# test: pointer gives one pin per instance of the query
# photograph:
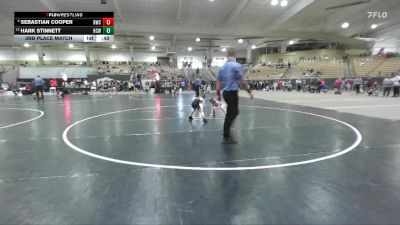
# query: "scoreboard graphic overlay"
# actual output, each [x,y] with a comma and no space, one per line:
[64,26]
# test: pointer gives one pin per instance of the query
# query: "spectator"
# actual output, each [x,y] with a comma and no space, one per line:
[298,85]
[348,84]
[320,85]
[357,83]
[368,83]
[289,86]
[396,85]
[387,85]
[304,85]
[339,84]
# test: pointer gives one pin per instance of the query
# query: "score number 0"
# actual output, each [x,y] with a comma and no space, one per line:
[108,22]
[108,26]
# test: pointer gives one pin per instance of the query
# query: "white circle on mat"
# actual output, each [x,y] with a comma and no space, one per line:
[176,167]
[22,122]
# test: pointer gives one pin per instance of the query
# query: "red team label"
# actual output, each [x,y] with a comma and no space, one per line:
[108,22]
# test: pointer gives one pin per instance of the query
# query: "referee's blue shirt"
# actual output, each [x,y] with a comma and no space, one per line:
[230,75]
[197,82]
[39,81]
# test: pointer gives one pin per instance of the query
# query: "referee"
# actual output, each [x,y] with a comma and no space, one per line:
[229,80]
[197,84]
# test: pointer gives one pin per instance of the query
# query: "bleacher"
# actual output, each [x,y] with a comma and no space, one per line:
[123,68]
[365,65]
[260,72]
[329,68]
[377,66]
[214,70]
[387,67]
[172,72]
[8,67]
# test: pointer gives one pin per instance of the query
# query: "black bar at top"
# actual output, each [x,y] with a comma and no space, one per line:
[84,14]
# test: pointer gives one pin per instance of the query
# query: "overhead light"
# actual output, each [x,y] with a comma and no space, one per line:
[70,45]
[190,49]
[274,2]
[240,40]
[291,42]
[224,49]
[374,26]
[113,46]
[211,0]
[345,25]
[197,39]
[153,47]
[284,3]
[253,47]
[366,39]
[26,45]
[151,38]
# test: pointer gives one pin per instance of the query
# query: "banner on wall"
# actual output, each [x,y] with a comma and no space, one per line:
[218,61]
[190,62]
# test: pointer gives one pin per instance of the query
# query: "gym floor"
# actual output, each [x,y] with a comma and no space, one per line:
[126,159]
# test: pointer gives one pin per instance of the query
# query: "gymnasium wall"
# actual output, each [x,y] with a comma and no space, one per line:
[58,56]
[10,55]
[14,56]
[53,72]
[356,52]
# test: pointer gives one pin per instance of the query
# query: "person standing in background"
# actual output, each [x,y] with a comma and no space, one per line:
[39,87]
[387,86]
[298,85]
[338,84]
[396,85]
[357,83]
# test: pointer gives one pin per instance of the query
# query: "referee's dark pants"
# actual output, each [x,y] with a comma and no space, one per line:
[39,89]
[197,90]
[232,100]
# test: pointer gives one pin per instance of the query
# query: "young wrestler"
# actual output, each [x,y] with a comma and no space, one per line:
[215,104]
[198,106]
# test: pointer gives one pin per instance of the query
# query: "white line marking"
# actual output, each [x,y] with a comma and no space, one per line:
[179,132]
[161,99]
[26,121]
[327,100]
[362,106]
[159,166]
[60,101]
[173,118]
[269,157]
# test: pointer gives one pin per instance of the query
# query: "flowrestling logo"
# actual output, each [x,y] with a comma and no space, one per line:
[377,14]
